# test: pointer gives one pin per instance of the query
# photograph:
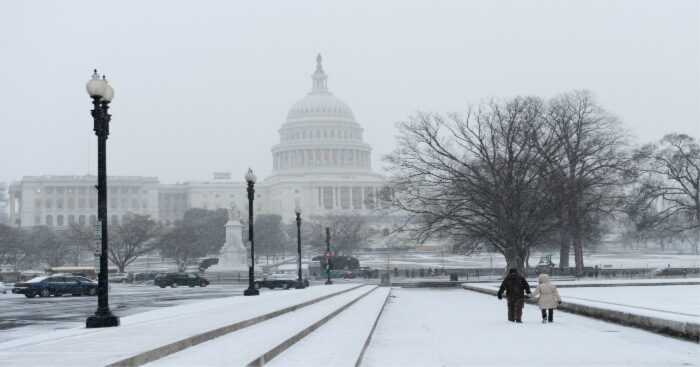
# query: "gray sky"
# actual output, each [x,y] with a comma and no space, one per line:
[203,86]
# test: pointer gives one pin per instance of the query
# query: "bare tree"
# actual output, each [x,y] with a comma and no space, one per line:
[135,236]
[669,173]
[586,152]
[349,232]
[208,226]
[17,249]
[50,249]
[78,240]
[181,245]
[270,236]
[477,179]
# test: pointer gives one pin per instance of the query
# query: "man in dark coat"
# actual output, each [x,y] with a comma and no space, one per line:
[516,288]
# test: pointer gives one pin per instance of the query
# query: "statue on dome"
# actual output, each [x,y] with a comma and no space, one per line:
[319,68]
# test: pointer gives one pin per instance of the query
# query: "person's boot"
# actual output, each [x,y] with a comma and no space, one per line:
[518,321]
[544,321]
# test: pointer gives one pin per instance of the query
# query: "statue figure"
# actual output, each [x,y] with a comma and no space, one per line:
[234,214]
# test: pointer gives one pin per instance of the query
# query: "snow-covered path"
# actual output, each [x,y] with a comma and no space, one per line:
[421,327]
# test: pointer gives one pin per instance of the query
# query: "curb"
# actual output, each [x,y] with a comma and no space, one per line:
[272,353]
[446,284]
[685,330]
[160,352]
[624,284]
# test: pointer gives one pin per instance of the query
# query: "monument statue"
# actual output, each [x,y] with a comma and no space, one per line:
[234,214]
[233,255]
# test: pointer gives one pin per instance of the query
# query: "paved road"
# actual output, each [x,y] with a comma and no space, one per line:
[21,316]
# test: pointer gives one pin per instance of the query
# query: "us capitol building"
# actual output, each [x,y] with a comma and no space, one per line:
[321,165]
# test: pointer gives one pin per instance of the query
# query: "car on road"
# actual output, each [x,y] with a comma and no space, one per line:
[56,285]
[284,281]
[117,277]
[3,289]
[670,271]
[343,274]
[177,279]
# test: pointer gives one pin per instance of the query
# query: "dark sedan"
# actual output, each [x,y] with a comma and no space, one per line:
[284,281]
[56,285]
[176,279]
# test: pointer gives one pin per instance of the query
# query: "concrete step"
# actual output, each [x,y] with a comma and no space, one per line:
[162,332]
[340,342]
[255,345]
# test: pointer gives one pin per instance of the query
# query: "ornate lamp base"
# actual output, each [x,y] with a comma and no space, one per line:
[102,321]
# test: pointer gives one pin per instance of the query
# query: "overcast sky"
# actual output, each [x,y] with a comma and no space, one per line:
[203,86]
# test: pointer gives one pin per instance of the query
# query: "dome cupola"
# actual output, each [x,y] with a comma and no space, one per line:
[321,132]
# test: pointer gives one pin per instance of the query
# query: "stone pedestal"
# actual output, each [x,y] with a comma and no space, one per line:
[233,256]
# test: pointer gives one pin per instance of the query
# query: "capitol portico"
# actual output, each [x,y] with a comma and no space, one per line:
[320,164]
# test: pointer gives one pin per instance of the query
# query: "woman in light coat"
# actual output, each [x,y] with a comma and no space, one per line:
[549,298]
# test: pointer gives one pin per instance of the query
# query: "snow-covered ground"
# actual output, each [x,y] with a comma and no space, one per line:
[418,327]
[439,259]
[681,299]
[670,302]
[434,260]
[421,327]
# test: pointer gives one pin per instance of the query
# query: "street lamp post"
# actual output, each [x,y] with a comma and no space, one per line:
[251,291]
[101,94]
[328,249]
[297,211]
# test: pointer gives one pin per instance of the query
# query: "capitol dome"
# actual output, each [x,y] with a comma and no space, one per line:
[321,134]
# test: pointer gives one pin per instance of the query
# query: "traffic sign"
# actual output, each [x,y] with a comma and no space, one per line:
[98,247]
[97,264]
[334,245]
[98,229]
[328,254]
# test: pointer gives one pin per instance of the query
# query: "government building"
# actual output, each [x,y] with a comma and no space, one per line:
[320,164]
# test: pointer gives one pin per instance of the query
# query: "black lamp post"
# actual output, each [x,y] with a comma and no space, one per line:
[297,211]
[251,291]
[101,94]
[328,250]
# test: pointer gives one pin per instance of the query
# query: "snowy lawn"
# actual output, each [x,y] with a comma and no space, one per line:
[422,327]
[671,302]
[683,299]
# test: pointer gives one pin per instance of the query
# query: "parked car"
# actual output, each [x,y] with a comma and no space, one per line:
[176,279]
[670,271]
[117,277]
[56,285]
[284,281]
[343,274]
[3,289]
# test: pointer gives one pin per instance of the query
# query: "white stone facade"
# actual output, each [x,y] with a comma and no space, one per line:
[320,164]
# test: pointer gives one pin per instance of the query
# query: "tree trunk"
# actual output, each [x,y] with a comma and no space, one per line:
[565,247]
[527,259]
[578,254]
[514,260]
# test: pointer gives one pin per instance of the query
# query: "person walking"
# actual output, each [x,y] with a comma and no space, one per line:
[515,287]
[549,297]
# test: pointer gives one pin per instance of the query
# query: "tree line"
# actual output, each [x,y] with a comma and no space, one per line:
[201,233]
[515,174]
